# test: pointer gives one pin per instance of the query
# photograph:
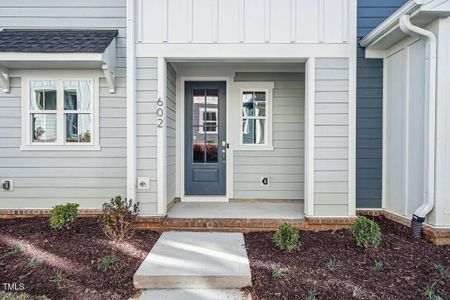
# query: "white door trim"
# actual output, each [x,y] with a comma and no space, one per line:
[181,142]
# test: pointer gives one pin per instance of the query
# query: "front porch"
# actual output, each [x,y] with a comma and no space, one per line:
[269,210]
[239,216]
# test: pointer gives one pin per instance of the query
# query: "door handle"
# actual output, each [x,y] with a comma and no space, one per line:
[224,151]
[224,155]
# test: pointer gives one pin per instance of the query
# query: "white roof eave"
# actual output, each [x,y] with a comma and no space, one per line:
[78,60]
[388,33]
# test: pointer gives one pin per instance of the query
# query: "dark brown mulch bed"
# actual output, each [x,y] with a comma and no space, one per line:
[410,266]
[75,252]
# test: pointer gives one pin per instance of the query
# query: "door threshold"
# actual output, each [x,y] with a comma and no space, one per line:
[205,198]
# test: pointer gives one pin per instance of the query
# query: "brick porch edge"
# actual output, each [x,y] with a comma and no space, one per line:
[439,236]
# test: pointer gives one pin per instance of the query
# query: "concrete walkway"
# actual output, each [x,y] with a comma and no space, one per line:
[195,265]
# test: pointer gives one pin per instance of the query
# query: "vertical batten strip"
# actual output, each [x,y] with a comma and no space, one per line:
[140,18]
[215,21]
[320,20]
[345,20]
[242,21]
[406,92]
[293,20]
[165,21]
[190,21]
[267,20]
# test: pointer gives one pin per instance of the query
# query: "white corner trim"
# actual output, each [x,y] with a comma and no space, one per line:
[161,112]
[352,119]
[131,103]
[4,79]
[309,135]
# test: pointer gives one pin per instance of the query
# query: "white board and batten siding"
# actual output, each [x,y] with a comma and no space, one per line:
[284,165]
[42,178]
[243,21]
[331,194]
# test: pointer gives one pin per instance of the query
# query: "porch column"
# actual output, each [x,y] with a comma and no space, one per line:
[161,123]
[309,136]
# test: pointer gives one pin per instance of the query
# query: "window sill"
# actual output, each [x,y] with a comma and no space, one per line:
[60,148]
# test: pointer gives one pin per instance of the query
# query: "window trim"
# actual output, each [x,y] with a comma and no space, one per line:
[266,87]
[60,144]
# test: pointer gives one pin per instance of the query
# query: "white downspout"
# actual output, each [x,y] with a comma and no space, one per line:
[131,106]
[430,134]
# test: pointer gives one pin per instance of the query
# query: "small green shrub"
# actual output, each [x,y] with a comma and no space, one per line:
[106,262]
[33,262]
[119,217]
[277,272]
[366,232]
[312,294]
[11,251]
[62,216]
[57,278]
[431,292]
[332,264]
[378,265]
[286,237]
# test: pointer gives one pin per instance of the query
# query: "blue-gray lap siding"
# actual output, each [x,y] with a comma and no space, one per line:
[369,111]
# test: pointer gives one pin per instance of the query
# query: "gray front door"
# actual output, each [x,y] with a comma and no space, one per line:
[205,133]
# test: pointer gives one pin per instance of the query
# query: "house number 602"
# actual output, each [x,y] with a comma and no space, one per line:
[160,113]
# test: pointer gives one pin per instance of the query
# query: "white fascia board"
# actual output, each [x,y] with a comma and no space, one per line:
[39,56]
[390,24]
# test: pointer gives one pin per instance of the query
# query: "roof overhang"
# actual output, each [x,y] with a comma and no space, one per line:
[388,33]
[105,61]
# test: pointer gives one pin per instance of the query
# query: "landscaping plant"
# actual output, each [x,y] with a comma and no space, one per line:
[332,264]
[62,216]
[33,262]
[431,292]
[441,269]
[57,278]
[312,294]
[286,237]
[378,265]
[14,250]
[366,232]
[106,262]
[277,272]
[119,216]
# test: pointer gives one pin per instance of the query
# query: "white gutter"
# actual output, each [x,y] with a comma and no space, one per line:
[429,145]
[387,26]
[131,105]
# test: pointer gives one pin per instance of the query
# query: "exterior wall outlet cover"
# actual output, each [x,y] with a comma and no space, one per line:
[143,183]
[7,185]
[265,181]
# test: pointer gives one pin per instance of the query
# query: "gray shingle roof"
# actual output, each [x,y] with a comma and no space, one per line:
[56,41]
